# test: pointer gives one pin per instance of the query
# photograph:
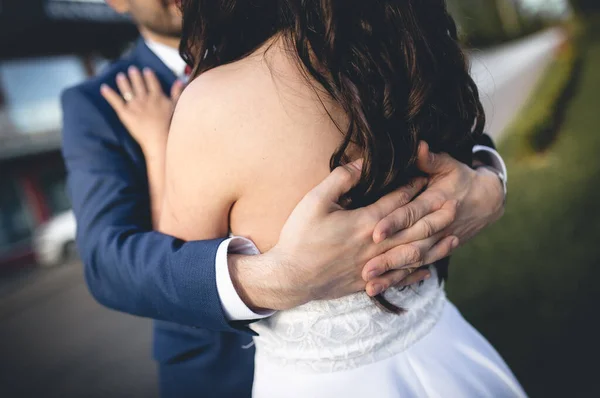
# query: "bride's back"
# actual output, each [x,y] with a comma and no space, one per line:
[286,90]
[284,135]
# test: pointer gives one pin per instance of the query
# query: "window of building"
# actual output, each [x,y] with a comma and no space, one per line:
[31,90]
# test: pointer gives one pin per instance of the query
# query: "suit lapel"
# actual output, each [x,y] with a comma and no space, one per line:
[143,57]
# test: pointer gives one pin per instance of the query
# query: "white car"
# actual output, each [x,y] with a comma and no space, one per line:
[54,241]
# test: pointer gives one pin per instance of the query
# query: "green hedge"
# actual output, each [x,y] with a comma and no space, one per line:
[586,6]
[536,129]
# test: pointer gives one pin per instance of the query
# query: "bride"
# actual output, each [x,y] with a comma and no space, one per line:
[282,92]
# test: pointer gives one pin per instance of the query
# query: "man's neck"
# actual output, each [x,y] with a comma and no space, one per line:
[166,40]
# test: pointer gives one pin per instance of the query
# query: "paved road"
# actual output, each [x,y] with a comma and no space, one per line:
[55,341]
[507,75]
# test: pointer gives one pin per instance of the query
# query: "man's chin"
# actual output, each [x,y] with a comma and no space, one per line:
[175,8]
[175,35]
[175,32]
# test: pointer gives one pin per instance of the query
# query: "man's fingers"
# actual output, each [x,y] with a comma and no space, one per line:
[403,276]
[137,82]
[441,250]
[396,278]
[114,99]
[432,163]
[394,259]
[410,255]
[177,90]
[152,82]
[395,200]
[428,226]
[340,181]
[418,276]
[406,216]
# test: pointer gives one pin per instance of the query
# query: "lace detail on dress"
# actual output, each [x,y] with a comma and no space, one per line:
[334,335]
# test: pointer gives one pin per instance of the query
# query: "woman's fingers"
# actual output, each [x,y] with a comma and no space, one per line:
[177,90]
[137,82]
[115,100]
[125,87]
[152,82]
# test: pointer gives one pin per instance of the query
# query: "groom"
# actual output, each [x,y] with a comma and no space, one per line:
[201,295]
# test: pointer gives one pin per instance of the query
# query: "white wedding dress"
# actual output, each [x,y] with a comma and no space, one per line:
[349,348]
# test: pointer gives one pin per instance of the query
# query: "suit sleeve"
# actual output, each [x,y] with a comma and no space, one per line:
[129,267]
[486,140]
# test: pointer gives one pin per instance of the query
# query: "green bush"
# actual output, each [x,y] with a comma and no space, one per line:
[488,23]
[586,6]
[536,132]
[530,282]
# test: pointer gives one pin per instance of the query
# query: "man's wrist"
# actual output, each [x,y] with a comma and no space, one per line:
[247,276]
[234,307]
[491,190]
[500,178]
[260,282]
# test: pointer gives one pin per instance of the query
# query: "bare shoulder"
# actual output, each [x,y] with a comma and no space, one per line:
[238,112]
[203,155]
[224,98]
[215,131]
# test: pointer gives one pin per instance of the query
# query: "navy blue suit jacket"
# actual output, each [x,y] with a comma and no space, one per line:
[129,267]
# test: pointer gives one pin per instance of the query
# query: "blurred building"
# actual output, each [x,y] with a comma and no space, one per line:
[45,47]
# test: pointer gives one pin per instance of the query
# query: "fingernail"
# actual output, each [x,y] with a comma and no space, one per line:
[377,289]
[357,164]
[120,75]
[427,276]
[372,275]
[103,87]
[455,243]
[132,69]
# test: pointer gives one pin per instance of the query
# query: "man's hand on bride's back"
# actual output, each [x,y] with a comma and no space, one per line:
[326,246]
[422,231]
[322,248]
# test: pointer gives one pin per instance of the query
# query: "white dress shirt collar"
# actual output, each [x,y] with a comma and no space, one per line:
[169,56]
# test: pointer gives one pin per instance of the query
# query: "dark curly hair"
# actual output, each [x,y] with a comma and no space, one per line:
[395,67]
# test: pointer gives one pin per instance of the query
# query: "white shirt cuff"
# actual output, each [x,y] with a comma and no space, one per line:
[496,161]
[233,306]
